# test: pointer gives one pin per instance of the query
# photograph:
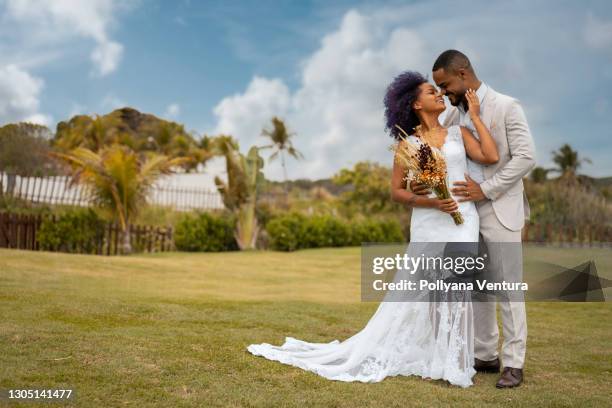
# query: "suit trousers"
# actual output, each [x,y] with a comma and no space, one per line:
[507,264]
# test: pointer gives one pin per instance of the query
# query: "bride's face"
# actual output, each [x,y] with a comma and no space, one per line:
[430,100]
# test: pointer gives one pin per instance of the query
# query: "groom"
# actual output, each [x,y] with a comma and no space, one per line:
[497,190]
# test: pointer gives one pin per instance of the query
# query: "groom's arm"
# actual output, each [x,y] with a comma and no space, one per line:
[522,154]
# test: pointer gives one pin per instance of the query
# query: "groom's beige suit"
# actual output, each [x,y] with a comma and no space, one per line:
[502,216]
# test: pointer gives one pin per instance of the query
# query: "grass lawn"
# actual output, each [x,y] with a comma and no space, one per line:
[171,330]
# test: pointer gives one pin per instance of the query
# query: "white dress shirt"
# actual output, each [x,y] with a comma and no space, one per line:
[474,169]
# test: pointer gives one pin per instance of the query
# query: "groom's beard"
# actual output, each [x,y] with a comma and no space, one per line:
[459,101]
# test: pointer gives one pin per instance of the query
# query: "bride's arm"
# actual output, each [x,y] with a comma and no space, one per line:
[400,194]
[485,150]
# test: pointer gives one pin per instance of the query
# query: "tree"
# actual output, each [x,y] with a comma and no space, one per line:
[139,131]
[539,174]
[24,149]
[86,132]
[281,143]
[567,161]
[370,187]
[171,139]
[118,180]
[244,178]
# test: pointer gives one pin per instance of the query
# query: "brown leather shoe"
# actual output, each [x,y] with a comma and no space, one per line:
[483,366]
[511,377]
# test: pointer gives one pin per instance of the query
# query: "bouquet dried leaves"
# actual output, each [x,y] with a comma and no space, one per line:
[427,165]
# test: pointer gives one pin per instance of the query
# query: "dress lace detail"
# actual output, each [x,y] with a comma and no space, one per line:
[428,339]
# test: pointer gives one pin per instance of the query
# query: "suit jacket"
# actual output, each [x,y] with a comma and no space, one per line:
[503,185]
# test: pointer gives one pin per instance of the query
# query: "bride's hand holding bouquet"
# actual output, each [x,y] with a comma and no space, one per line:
[428,167]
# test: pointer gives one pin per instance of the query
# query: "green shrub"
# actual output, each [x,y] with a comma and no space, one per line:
[373,230]
[158,216]
[74,231]
[392,231]
[264,212]
[293,231]
[567,202]
[325,231]
[286,232]
[204,232]
[366,231]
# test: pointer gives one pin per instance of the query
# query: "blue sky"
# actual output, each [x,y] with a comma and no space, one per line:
[228,66]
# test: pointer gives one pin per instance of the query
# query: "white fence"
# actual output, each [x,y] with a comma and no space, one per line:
[56,190]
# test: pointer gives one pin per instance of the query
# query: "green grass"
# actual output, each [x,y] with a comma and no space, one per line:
[171,330]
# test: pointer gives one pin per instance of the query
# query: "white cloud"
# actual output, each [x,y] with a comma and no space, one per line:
[602,106]
[180,21]
[172,111]
[20,96]
[598,32]
[106,57]
[40,119]
[77,109]
[244,115]
[47,24]
[112,102]
[337,112]
[34,33]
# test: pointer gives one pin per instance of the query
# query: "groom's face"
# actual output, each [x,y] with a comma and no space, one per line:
[451,85]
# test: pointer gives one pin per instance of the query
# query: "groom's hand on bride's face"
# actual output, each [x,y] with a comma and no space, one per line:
[468,190]
[419,189]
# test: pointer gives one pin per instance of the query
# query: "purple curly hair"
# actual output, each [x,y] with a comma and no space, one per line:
[400,95]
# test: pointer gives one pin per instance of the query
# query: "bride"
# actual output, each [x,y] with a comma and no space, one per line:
[432,339]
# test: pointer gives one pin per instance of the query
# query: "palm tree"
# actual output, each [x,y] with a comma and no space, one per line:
[140,132]
[172,140]
[90,133]
[239,194]
[539,174]
[235,191]
[118,180]
[567,161]
[281,143]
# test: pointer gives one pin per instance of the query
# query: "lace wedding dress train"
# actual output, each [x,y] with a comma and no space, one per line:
[431,339]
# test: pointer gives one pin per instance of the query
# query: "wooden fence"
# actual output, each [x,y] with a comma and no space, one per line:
[20,231]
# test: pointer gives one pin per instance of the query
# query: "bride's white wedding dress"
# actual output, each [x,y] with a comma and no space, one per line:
[425,338]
